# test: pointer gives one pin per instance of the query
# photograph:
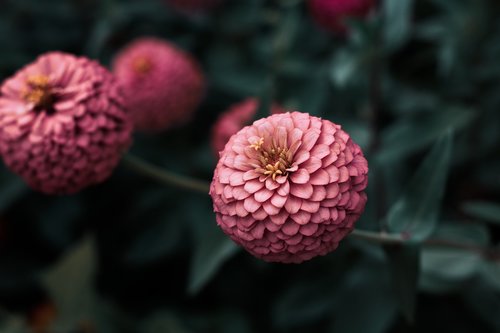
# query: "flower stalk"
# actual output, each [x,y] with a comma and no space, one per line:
[172,179]
[163,176]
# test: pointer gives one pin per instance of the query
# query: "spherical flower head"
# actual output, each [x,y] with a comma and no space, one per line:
[62,123]
[193,6]
[332,14]
[234,119]
[289,187]
[163,85]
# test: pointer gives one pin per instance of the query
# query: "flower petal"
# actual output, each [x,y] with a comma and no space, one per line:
[320,177]
[303,191]
[301,217]
[253,186]
[293,204]
[251,204]
[300,176]
[290,228]
[263,195]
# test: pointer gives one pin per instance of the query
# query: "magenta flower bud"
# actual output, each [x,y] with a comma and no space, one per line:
[331,14]
[163,85]
[289,187]
[234,119]
[62,123]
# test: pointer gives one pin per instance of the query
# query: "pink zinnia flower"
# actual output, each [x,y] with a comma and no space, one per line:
[234,119]
[331,14]
[163,85]
[289,187]
[62,123]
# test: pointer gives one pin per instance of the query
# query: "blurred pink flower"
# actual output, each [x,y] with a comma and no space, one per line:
[234,119]
[62,123]
[331,14]
[289,187]
[163,85]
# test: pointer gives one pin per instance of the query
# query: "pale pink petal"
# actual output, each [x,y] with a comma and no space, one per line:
[332,190]
[278,200]
[253,186]
[284,189]
[263,195]
[304,191]
[301,217]
[310,206]
[312,164]
[308,229]
[236,179]
[251,204]
[290,228]
[293,204]
[300,176]
[270,208]
[320,177]
[333,172]
[279,218]
[309,139]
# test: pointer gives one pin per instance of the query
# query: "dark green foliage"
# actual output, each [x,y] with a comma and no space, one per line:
[417,86]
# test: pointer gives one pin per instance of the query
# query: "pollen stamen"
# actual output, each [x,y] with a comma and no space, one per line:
[38,91]
[274,160]
[258,144]
[142,65]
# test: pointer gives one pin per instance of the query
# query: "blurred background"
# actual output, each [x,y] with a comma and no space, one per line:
[416,84]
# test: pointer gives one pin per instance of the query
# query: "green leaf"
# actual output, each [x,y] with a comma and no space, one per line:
[484,304]
[11,189]
[212,248]
[163,321]
[57,221]
[415,213]
[483,210]
[414,133]
[345,67]
[100,33]
[212,251]
[158,230]
[404,263]
[397,27]
[490,271]
[406,100]
[265,100]
[155,242]
[10,323]
[230,72]
[363,301]
[69,283]
[446,268]
[304,302]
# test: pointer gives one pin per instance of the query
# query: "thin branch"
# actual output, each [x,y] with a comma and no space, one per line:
[172,179]
[396,239]
[377,237]
[166,177]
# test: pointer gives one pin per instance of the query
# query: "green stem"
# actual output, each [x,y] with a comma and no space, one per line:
[172,179]
[377,237]
[395,239]
[139,165]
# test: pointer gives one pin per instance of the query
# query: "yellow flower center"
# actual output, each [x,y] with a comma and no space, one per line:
[38,91]
[142,65]
[274,160]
